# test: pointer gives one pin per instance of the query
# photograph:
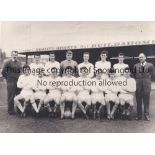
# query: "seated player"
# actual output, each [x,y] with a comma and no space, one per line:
[126,95]
[83,97]
[111,95]
[24,82]
[68,98]
[97,94]
[39,89]
[52,99]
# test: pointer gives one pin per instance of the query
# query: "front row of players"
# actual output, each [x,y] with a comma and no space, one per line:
[111,96]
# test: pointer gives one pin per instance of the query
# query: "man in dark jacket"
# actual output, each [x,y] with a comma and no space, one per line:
[11,71]
[142,73]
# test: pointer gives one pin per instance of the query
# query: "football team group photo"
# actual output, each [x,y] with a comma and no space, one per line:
[78,84]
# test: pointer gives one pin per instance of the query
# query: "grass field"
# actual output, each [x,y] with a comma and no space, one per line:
[16,124]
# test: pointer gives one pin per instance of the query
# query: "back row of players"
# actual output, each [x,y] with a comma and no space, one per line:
[83,96]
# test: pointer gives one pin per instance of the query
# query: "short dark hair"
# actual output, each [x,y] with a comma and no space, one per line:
[104,52]
[86,53]
[68,67]
[128,70]
[83,68]
[121,54]
[54,69]
[112,70]
[69,52]
[52,53]
[36,55]
[99,70]
[25,68]
[14,52]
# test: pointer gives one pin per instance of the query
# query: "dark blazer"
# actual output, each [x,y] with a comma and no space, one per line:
[143,76]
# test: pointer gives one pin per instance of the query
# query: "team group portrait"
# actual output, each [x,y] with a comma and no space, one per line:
[77,77]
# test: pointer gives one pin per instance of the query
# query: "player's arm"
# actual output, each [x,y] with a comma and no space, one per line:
[20,83]
[79,72]
[61,69]
[152,70]
[4,70]
[131,86]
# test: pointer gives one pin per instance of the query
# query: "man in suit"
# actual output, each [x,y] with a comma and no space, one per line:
[143,71]
[11,71]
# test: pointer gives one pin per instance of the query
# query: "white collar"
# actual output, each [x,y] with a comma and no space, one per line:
[144,63]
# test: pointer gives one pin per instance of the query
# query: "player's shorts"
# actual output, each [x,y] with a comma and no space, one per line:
[54,95]
[84,97]
[24,94]
[39,95]
[97,97]
[68,96]
[112,97]
[127,98]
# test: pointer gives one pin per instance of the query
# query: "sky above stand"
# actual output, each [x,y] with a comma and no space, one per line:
[27,35]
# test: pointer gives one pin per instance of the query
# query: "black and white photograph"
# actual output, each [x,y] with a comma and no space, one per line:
[77,77]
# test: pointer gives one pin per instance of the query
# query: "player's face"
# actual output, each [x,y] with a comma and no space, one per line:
[121,59]
[112,75]
[142,58]
[84,73]
[27,72]
[37,59]
[98,75]
[86,57]
[14,55]
[69,72]
[127,74]
[54,72]
[69,56]
[52,57]
[103,57]
[40,75]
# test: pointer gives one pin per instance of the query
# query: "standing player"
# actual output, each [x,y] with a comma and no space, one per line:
[68,98]
[36,65]
[52,63]
[52,99]
[112,95]
[103,64]
[84,98]
[39,91]
[89,66]
[69,62]
[97,94]
[120,66]
[126,95]
[25,83]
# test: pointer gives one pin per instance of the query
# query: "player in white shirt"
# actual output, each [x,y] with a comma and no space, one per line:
[120,66]
[97,94]
[89,66]
[52,99]
[112,95]
[84,98]
[103,63]
[25,83]
[36,65]
[68,99]
[126,95]
[52,63]
[39,92]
